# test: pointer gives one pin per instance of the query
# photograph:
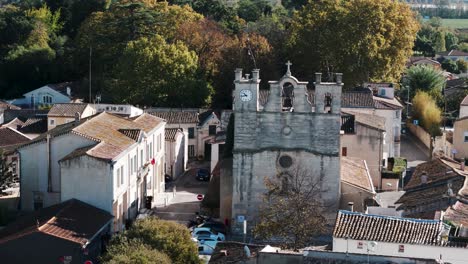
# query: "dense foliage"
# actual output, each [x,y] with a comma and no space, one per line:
[182,53]
[424,78]
[426,111]
[152,240]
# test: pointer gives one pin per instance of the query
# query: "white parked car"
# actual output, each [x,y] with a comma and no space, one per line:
[206,232]
[206,245]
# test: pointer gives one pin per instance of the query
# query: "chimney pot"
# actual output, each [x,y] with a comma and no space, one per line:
[339,78]
[424,178]
[351,206]
[77,118]
[318,77]
[238,74]
[255,74]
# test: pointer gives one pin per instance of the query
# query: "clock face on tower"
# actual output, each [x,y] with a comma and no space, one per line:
[245,95]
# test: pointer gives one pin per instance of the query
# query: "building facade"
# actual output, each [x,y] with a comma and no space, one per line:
[290,132]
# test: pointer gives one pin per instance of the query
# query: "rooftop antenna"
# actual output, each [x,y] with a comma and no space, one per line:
[250,53]
[90,54]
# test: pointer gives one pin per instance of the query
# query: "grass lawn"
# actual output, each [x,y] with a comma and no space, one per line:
[455,23]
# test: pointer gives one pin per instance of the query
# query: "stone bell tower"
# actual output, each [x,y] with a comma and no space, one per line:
[279,130]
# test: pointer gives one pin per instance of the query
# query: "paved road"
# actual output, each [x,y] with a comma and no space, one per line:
[413,150]
[184,205]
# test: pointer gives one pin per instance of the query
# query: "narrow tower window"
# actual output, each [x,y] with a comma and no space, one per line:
[287,96]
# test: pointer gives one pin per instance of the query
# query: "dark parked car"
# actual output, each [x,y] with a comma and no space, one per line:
[215,226]
[203,175]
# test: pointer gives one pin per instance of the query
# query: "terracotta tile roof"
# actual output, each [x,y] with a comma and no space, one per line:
[34,125]
[131,133]
[105,129]
[369,120]
[67,110]
[354,172]
[357,98]
[458,214]
[6,105]
[385,103]
[430,194]
[439,169]
[147,122]
[176,117]
[359,226]
[72,220]
[9,137]
[23,114]
[453,53]
[170,133]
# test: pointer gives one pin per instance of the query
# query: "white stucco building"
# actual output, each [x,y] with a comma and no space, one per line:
[394,236]
[110,162]
[176,152]
[46,96]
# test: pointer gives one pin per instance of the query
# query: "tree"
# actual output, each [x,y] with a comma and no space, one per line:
[7,178]
[252,10]
[439,41]
[167,237]
[327,36]
[124,251]
[158,73]
[291,210]
[462,66]
[424,78]
[425,109]
[451,41]
[450,66]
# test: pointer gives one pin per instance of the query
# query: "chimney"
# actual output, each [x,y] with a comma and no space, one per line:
[255,74]
[351,206]
[339,78]
[77,118]
[238,74]
[424,178]
[318,78]
[462,165]
[68,91]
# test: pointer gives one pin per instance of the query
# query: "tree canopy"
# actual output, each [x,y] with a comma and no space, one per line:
[327,36]
[424,78]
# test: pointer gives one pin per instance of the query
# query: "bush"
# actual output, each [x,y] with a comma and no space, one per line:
[168,237]
[124,251]
[425,109]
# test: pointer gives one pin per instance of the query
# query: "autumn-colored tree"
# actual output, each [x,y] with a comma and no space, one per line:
[291,211]
[425,109]
[328,36]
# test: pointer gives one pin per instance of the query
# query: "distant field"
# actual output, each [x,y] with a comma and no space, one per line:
[454,23]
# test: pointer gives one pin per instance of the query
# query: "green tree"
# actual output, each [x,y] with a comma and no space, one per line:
[450,66]
[462,66]
[328,36]
[439,41]
[426,79]
[252,10]
[124,251]
[165,236]
[451,41]
[158,73]
[425,109]
[435,22]
[291,210]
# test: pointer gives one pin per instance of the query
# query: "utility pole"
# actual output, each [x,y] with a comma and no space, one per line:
[90,54]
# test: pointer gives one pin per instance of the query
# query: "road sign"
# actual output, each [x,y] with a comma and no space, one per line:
[200,197]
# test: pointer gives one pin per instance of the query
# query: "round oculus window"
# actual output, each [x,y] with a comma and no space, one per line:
[285,161]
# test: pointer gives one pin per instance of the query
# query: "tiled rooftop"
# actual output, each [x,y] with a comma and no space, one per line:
[359,226]
[66,110]
[9,137]
[69,220]
[170,134]
[354,172]
[385,103]
[369,120]
[176,117]
[6,105]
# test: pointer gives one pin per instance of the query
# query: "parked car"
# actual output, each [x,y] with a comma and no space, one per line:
[206,232]
[206,245]
[203,175]
[213,225]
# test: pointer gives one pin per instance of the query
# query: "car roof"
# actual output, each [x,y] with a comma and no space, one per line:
[201,229]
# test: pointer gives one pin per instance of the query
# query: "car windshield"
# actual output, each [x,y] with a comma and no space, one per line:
[203,233]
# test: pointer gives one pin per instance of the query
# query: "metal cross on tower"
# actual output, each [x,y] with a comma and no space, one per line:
[288,72]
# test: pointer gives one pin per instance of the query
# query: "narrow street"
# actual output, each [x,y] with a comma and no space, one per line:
[183,206]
